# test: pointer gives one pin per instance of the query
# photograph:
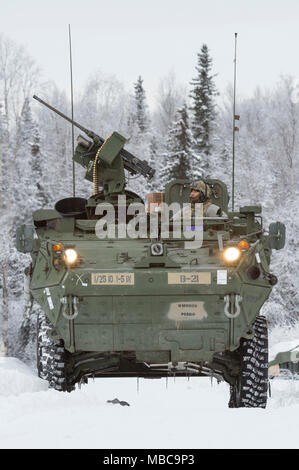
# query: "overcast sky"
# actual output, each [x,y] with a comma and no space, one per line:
[129,38]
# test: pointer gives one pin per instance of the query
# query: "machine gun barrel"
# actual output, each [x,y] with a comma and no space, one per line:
[131,163]
[90,134]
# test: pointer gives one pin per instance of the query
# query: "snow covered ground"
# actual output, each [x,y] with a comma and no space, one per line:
[186,414]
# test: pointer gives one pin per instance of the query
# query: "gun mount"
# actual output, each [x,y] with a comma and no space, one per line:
[105,160]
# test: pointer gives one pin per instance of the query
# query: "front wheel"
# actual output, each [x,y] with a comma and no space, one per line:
[51,357]
[250,389]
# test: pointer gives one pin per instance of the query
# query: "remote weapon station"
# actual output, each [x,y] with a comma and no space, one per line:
[152,306]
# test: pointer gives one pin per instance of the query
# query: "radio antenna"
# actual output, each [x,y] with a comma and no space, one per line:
[72,111]
[236,117]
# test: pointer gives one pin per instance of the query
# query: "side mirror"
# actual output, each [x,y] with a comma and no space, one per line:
[24,238]
[277,235]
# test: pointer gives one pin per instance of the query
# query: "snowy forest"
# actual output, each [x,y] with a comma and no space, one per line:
[187,134]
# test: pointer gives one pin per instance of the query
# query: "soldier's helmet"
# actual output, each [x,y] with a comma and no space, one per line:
[203,187]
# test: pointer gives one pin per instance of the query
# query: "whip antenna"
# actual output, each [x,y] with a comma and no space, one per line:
[72,111]
[236,117]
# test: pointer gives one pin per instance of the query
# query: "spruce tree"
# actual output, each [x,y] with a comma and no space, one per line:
[141,115]
[29,196]
[5,167]
[25,190]
[37,168]
[203,110]
[153,161]
[179,153]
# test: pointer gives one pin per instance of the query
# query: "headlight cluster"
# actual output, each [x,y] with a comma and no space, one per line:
[64,255]
[70,256]
[233,253]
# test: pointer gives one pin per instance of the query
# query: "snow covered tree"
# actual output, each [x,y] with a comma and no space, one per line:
[56,145]
[37,168]
[170,97]
[202,95]
[141,113]
[24,188]
[153,161]
[220,166]
[286,129]
[5,167]
[103,104]
[178,158]
[5,158]
[18,74]
[267,173]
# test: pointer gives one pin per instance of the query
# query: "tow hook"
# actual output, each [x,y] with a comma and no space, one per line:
[271,278]
[70,309]
[232,307]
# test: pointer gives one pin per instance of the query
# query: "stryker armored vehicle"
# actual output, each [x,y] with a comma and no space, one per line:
[155,304]
[285,364]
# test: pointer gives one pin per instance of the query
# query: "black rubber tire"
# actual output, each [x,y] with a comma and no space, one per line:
[251,387]
[59,369]
[44,350]
[51,357]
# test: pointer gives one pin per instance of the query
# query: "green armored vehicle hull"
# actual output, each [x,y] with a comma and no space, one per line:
[285,364]
[157,304]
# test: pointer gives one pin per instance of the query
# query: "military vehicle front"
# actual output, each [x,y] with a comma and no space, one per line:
[151,306]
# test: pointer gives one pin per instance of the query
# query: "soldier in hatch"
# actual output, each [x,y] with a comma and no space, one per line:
[201,193]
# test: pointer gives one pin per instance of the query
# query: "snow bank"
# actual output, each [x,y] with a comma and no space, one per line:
[177,413]
[16,378]
[174,414]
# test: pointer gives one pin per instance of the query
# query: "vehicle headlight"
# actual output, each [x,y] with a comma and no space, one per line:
[231,254]
[70,255]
